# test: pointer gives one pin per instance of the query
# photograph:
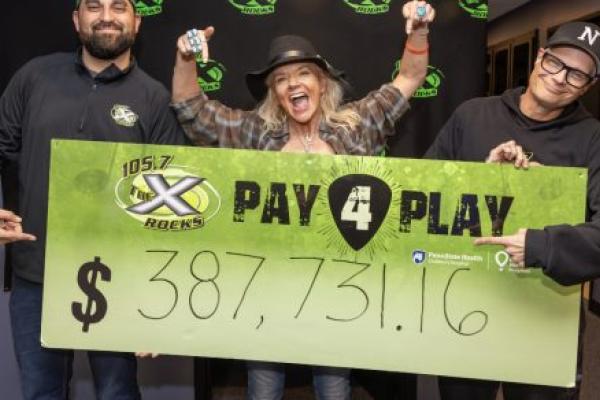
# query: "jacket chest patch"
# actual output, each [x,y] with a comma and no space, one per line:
[123,115]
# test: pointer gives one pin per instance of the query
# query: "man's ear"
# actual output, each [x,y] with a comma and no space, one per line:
[324,82]
[76,20]
[138,22]
[540,53]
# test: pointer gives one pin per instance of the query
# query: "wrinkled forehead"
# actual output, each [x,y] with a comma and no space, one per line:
[575,58]
[79,2]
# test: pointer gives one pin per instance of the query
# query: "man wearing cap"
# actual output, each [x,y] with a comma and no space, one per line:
[97,93]
[545,124]
[300,110]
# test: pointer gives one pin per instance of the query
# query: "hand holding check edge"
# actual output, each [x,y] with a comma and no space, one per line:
[514,245]
[11,229]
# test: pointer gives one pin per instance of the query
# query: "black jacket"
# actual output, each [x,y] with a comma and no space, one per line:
[56,97]
[567,254]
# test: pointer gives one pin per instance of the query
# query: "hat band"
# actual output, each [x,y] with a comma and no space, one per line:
[291,54]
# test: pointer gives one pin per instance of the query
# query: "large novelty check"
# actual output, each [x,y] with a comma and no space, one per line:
[331,260]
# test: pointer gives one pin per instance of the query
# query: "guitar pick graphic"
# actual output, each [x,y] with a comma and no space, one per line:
[359,204]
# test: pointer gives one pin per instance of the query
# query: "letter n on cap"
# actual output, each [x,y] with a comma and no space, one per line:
[589,35]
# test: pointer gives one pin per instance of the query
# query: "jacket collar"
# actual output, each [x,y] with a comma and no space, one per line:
[110,73]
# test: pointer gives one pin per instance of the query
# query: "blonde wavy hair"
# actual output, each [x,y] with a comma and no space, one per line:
[345,118]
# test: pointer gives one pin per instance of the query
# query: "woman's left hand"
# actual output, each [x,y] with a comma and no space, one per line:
[418,15]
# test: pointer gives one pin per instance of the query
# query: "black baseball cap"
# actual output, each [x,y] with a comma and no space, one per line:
[582,35]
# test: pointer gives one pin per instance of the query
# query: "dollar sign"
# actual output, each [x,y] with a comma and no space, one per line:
[86,278]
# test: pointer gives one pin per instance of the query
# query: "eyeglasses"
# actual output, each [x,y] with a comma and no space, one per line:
[576,78]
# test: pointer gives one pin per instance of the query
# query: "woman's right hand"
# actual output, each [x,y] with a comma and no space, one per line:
[195,41]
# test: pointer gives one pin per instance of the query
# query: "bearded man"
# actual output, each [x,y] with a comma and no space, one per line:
[96,93]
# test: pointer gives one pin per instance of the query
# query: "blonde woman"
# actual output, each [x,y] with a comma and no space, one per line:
[300,110]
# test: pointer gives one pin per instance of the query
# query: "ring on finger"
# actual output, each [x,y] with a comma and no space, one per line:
[421,11]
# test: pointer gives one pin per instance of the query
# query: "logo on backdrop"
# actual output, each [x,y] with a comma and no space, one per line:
[475,8]
[432,84]
[123,115]
[147,8]
[166,197]
[210,75]
[254,7]
[369,6]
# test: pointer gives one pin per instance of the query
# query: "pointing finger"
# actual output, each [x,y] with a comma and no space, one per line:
[492,240]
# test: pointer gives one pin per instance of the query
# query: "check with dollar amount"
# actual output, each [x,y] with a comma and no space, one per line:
[359,262]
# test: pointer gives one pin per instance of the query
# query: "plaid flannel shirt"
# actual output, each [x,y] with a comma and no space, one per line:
[210,123]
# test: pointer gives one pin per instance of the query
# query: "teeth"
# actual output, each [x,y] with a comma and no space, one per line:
[297,96]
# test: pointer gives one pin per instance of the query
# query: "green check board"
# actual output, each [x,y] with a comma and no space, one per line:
[358,262]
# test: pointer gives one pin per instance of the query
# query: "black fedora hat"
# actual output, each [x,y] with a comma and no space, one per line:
[283,50]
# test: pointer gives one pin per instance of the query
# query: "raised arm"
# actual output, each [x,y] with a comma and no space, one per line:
[185,75]
[206,122]
[413,67]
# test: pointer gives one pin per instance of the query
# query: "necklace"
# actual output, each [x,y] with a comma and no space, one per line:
[307,141]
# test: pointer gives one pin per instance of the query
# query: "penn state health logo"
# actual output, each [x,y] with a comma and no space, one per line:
[476,8]
[369,6]
[254,7]
[166,197]
[148,8]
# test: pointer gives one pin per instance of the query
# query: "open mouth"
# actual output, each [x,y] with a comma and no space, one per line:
[299,101]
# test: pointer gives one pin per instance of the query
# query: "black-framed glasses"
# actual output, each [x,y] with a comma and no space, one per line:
[576,78]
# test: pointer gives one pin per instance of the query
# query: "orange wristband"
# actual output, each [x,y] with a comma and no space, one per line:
[413,50]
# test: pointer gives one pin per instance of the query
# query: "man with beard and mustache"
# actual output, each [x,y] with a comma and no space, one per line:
[97,93]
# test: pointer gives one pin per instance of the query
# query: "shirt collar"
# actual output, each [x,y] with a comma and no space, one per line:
[285,132]
[110,73]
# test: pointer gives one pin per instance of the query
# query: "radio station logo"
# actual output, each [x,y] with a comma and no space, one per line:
[210,75]
[123,115]
[147,8]
[476,8]
[254,7]
[166,197]
[369,6]
[431,86]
